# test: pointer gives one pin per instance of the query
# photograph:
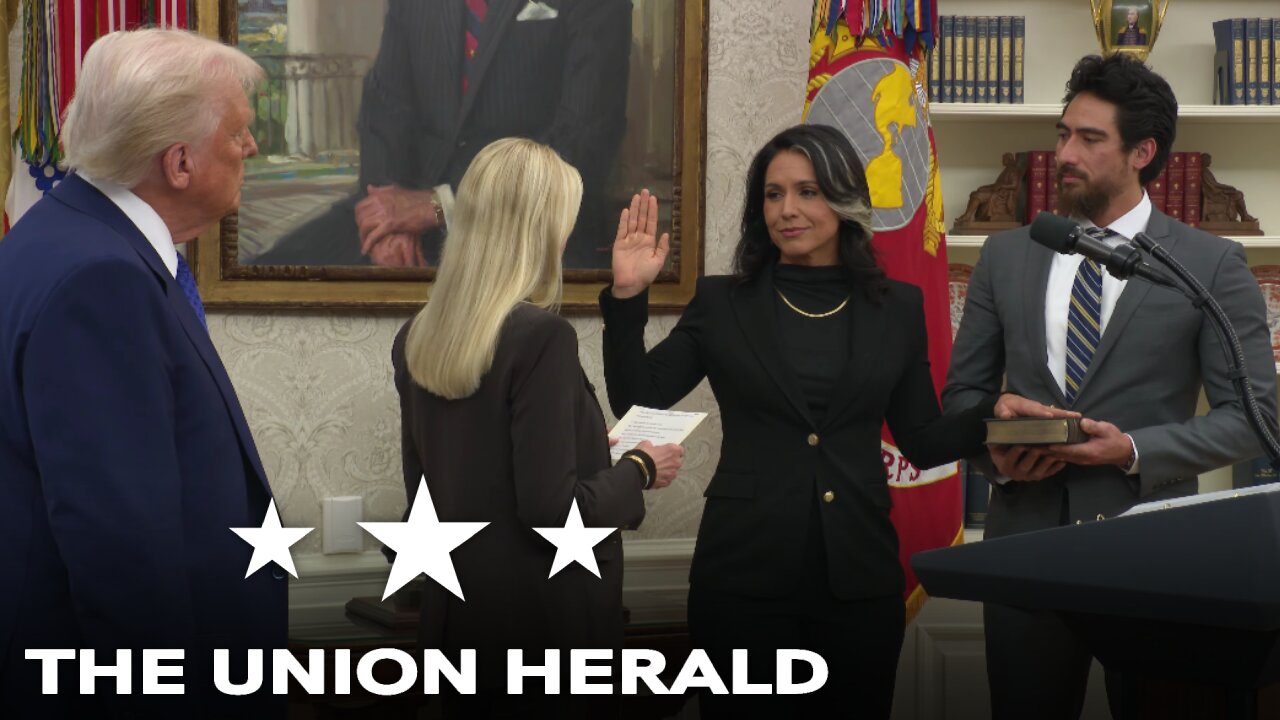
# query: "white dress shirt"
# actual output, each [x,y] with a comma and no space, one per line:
[1062,275]
[143,217]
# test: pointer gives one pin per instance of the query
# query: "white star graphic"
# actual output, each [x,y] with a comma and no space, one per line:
[271,542]
[422,544]
[574,542]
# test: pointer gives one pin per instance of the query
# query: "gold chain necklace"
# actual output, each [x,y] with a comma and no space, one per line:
[828,313]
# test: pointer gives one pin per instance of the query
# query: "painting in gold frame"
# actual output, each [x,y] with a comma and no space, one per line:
[664,115]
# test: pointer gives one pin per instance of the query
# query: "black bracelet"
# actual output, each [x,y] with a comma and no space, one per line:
[647,467]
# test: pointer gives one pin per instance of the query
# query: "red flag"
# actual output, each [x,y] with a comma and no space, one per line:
[869,82]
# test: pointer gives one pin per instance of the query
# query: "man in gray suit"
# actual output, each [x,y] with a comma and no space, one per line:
[1129,356]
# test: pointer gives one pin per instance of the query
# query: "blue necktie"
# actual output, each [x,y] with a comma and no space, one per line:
[1084,319]
[187,282]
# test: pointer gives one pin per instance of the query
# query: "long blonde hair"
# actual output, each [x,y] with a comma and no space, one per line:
[515,207]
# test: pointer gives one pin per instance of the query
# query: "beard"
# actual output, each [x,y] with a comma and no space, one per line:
[1088,199]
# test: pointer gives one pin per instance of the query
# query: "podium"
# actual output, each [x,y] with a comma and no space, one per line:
[1181,598]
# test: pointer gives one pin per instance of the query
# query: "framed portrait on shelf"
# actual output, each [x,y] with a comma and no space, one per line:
[372,110]
[1129,26]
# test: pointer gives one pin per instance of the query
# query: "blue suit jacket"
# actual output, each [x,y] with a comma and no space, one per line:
[124,458]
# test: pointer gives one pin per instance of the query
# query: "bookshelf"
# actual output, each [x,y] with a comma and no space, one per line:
[1268,242]
[1242,140]
[1049,112]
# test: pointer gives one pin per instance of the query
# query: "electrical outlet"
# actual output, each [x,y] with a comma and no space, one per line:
[341,534]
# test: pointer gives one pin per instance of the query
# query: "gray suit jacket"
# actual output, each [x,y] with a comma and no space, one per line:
[1155,355]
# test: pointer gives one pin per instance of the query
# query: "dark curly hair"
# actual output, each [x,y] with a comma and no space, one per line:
[1145,105]
[844,186]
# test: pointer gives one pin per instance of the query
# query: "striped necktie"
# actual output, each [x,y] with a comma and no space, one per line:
[1084,318]
[476,11]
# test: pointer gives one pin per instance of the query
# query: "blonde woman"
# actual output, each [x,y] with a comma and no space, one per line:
[498,416]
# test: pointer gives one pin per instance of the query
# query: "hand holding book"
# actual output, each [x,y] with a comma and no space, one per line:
[1106,444]
[1031,441]
[1017,455]
[1022,421]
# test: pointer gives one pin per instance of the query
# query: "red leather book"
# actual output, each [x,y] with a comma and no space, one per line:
[1177,185]
[1037,183]
[1158,189]
[1051,187]
[1191,204]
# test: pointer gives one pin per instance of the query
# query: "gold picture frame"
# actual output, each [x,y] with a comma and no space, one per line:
[227,283]
[1128,26]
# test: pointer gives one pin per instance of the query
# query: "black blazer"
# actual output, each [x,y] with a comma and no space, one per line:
[514,454]
[775,460]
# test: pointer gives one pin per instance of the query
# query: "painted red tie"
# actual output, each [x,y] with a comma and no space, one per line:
[476,10]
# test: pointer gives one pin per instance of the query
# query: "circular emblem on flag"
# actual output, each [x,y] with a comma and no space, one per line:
[874,102]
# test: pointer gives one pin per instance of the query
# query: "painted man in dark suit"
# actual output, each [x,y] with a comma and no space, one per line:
[451,76]
[1135,376]
[125,458]
[1131,33]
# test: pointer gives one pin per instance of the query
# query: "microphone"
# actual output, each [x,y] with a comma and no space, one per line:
[1061,235]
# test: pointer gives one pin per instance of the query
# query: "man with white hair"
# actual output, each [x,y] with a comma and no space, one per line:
[124,455]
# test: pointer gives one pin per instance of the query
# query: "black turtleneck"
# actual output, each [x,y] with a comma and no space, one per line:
[816,348]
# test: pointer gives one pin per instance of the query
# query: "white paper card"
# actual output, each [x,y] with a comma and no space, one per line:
[657,426]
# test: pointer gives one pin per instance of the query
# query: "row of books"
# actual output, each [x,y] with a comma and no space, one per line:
[977,59]
[1246,61]
[1175,192]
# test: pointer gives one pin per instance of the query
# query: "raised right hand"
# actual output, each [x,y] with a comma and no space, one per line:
[638,256]
[667,458]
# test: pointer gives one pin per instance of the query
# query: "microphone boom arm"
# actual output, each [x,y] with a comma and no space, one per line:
[1227,338]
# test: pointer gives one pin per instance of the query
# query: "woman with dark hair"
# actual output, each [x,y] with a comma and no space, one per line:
[809,348]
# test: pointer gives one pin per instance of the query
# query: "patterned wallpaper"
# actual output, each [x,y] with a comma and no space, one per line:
[317,387]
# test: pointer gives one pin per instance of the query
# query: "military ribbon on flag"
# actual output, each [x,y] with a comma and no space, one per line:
[56,35]
[867,78]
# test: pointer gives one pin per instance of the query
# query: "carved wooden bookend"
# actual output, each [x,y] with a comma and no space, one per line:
[1222,206]
[993,207]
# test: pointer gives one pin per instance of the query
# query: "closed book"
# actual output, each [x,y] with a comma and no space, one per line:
[948,34]
[970,57]
[993,59]
[1177,172]
[1249,473]
[1038,183]
[981,63]
[1051,186]
[1251,60]
[1019,38]
[1275,61]
[1191,190]
[1158,189]
[1006,59]
[1265,30]
[977,496]
[1034,431]
[1229,75]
